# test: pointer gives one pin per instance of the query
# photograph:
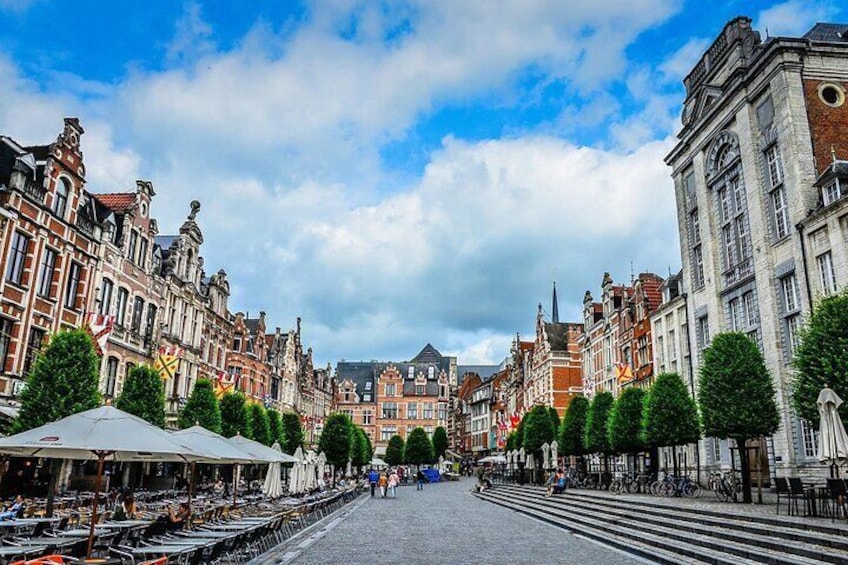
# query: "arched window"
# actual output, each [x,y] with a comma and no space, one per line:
[60,198]
[111,376]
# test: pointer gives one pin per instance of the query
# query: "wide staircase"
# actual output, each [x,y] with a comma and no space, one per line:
[682,531]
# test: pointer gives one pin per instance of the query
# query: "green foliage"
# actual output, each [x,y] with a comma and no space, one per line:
[361,452]
[670,414]
[143,395]
[394,450]
[292,431]
[624,426]
[275,428]
[260,429]
[519,433]
[368,447]
[537,430]
[440,442]
[552,412]
[736,392]
[202,408]
[821,357]
[64,380]
[595,438]
[419,448]
[234,418]
[572,429]
[510,441]
[336,440]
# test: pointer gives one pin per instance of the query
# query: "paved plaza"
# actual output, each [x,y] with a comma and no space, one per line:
[441,524]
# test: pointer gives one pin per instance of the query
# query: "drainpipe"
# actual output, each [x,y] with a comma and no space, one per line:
[800,227]
[685,297]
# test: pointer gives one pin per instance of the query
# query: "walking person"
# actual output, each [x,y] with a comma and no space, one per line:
[383,482]
[373,477]
[394,481]
[419,480]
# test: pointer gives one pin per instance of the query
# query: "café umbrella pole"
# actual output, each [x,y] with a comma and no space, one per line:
[101,457]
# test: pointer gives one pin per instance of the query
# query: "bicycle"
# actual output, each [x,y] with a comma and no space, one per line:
[725,485]
[680,486]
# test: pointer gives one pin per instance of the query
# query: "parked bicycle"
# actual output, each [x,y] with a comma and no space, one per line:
[725,486]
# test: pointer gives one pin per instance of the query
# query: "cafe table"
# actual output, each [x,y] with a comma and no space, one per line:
[22,552]
[162,549]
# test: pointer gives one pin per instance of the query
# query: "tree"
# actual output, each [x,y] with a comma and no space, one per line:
[260,430]
[440,442]
[537,431]
[394,450]
[336,441]
[202,408]
[552,412]
[624,426]
[275,428]
[595,439]
[63,381]
[361,451]
[519,433]
[368,447]
[572,429]
[821,357]
[143,395]
[736,393]
[419,448]
[510,441]
[670,414]
[292,431]
[234,418]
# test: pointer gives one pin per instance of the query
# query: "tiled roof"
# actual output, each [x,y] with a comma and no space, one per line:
[40,152]
[116,201]
[828,32]
[557,336]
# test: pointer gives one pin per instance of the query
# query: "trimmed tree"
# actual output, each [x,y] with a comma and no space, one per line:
[624,426]
[736,394]
[260,429]
[202,408]
[440,442]
[143,395]
[537,431]
[821,357]
[419,448]
[510,441]
[519,433]
[670,415]
[394,450]
[336,441]
[275,428]
[234,418]
[292,431]
[552,412]
[64,380]
[368,448]
[595,438]
[360,454]
[572,429]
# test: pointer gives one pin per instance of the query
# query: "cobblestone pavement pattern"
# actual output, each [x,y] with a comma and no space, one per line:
[442,524]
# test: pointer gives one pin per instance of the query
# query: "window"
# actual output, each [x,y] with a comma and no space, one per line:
[138,310]
[410,373]
[105,298]
[443,411]
[121,306]
[733,308]
[60,199]
[781,212]
[366,397]
[17,257]
[366,417]
[151,320]
[45,272]
[386,432]
[390,390]
[672,345]
[810,440]
[412,411]
[111,376]
[131,249]
[703,332]
[792,326]
[73,285]
[5,340]
[431,373]
[390,410]
[36,337]
[749,309]
[716,450]
[443,391]
[142,253]
[827,277]
[724,204]
[419,390]
[774,166]
[831,192]
[698,262]
[789,288]
[368,385]
[237,343]
[428,411]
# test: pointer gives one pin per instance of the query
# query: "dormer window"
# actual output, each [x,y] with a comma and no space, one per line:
[60,199]
[831,192]
[410,374]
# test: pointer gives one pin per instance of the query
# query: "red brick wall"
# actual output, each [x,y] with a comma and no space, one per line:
[827,125]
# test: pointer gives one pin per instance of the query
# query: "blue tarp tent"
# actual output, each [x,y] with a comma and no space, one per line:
[432,475]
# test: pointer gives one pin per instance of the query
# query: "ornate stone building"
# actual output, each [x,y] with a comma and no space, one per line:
[246,360]
[217,334]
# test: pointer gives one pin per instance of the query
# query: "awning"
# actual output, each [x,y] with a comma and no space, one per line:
[10,412]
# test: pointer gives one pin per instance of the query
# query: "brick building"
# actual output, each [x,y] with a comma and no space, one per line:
[246,360]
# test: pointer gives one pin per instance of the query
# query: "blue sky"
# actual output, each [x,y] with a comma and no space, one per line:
[395,173]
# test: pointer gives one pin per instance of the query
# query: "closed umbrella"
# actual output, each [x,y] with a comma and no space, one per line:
[273,486]
[101,433]
[833,442]
[555,453]
[296,478]
[311,481]
[546,455]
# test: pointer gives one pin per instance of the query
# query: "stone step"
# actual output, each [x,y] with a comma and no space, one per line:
[807,542]
[674,536]
[653,548]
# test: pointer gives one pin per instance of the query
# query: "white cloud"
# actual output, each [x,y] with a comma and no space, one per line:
[794,18]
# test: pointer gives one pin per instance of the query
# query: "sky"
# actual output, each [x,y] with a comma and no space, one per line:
[394,173]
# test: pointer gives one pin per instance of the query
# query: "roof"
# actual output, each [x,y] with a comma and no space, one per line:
[428,355]
[164,241]
[40,152]
[359,373]
[485,372]
[557,336]
[252,325]
[116,201]
[828,32]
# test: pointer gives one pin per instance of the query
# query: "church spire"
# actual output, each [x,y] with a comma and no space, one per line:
[555,308]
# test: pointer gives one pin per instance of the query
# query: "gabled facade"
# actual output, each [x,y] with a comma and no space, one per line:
[555,370]
[246,360]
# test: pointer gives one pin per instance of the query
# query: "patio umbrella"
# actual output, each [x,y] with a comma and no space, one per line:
[101,433]
[522,455]
[296,477]
[546,455]
[311,481]
[377,462]
[833,445]
[273,486]
[259,454]
[555,453]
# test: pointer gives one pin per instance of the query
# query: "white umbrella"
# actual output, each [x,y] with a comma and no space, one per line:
[311,481]
[273,486]
[546,456]
[296,476]
[260,453]
[833,442]
[531,462]
[555,453]
[522,455]
[101,433]
[377,462]
[493,459]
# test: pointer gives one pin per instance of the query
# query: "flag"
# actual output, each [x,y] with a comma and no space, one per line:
[623,372]
[222,383]
[99,326]
[168,361]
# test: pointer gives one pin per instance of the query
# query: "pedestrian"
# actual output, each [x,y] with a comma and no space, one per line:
[419,479]
[373,477]
[383,482]
[394,481]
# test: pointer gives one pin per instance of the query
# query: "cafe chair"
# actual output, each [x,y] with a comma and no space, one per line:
[837,491]
[782,489]
[796,492]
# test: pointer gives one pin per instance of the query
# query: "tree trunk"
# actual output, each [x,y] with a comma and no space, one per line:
[55,468]
[674,455]
[745,468]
